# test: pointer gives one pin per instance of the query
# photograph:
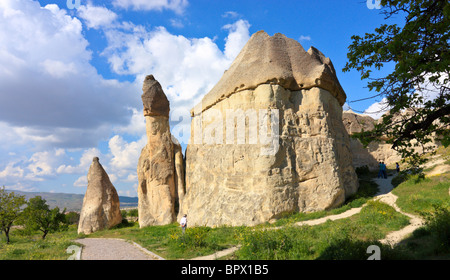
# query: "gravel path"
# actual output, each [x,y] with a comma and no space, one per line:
[113,249]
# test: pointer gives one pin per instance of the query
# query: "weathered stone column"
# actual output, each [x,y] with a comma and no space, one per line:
[158,178]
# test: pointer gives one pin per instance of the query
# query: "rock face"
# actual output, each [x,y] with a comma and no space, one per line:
[160,167]
[101,206]
[268,138]
[362,156]
[376,151]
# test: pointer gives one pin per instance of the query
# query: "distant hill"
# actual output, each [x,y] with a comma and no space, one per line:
[72,202]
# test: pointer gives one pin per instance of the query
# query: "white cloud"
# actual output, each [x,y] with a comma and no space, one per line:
[175,22]
[177,6]
[304,38]
[11,170]
[238,36]
[58,69]
[49,91]
[44,163]
[231,14]
[125,155]
[377,109]
[96,17]
[136,126]
[81,182]
[187,68]
[83,166]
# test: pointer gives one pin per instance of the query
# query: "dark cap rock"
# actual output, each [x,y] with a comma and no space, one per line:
[154,100]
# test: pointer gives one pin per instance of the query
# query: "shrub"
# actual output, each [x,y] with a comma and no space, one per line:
[72,218]
[438,223]
[362,170]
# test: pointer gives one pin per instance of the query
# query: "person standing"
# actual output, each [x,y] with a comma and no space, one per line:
[397,167]
[383,169]
[183,223]
[380,170]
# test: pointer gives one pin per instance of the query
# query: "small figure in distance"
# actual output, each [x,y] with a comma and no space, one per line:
[183,223]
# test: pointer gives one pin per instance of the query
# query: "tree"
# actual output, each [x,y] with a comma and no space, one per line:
[420,53]
[10,209]
[38,216]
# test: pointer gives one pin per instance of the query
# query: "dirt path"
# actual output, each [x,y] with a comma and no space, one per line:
[389,198]
[113,249]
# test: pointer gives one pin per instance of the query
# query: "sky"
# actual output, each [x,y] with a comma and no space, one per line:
[71,74]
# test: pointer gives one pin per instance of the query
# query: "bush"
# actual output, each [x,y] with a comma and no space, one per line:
[133,213]
[353,249]
[72,218]
[438,224]
[362,170]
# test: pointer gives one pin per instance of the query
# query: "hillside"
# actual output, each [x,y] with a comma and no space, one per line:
[72,202]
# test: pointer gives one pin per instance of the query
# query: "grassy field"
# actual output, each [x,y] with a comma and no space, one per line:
[430,199]
[341,239]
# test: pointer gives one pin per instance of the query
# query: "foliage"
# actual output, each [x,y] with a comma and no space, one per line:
[24,246]
[438,223]
[362,170]
[38,216]
[320,241]
[72,218]
[10,209]
[419,52]
[417,196]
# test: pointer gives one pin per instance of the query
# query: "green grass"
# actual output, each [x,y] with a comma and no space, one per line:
[321,241]
[367,189]
[25,247]
[430,199]
[419,195]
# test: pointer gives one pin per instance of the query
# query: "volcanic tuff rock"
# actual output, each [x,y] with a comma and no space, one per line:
[376,151]
[276,59]
[160,167]
[101,206]
[268,138]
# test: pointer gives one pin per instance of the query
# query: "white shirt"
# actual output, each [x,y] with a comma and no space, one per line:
[183,221]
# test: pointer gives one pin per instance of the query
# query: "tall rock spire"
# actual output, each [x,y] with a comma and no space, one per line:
[160,173]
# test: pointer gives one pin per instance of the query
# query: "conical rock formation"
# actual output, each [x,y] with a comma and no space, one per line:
[101,206]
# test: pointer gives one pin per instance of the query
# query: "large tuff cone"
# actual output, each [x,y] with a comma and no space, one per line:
[101,206]
[268,139]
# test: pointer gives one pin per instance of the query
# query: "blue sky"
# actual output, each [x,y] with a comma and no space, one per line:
[71,79]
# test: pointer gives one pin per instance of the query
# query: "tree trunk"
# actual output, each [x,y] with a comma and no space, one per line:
[7,235]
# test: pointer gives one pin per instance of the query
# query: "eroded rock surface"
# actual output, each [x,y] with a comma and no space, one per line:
[101,206]
[160,167]
[268,138]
